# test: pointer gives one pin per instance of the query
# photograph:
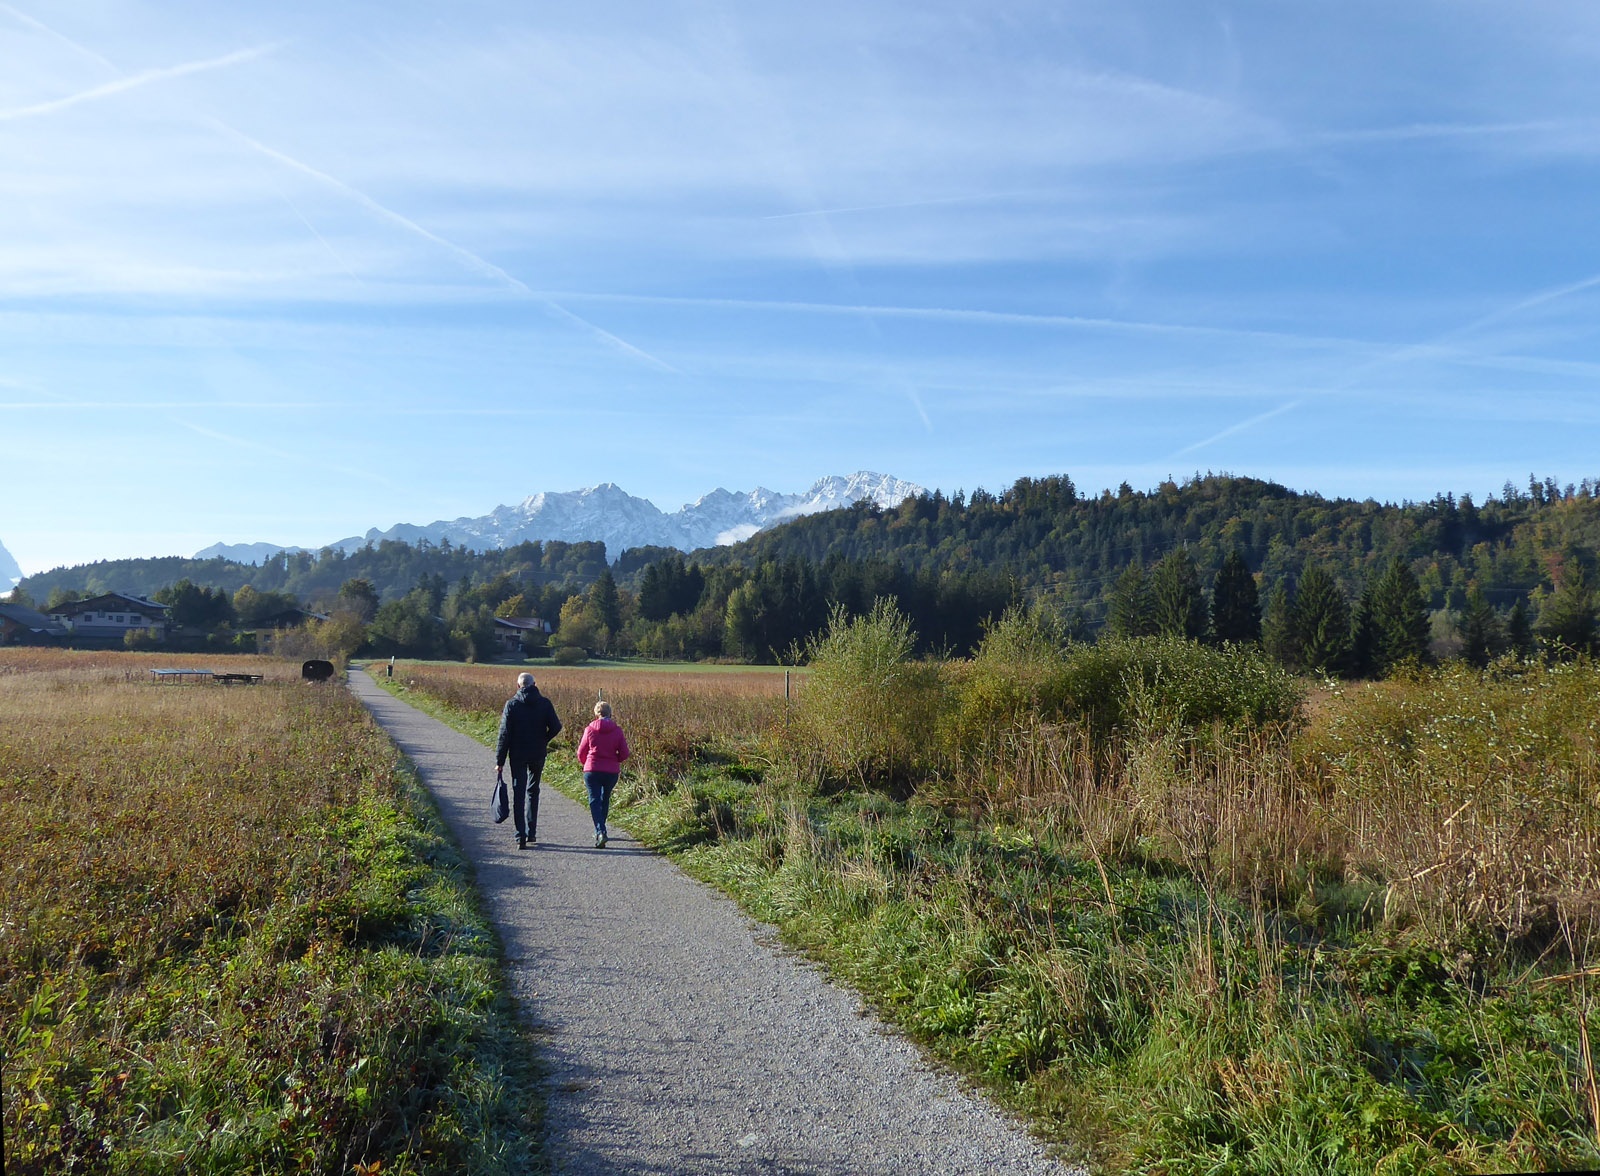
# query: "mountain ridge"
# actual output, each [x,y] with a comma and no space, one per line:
[10,571]
[609,514]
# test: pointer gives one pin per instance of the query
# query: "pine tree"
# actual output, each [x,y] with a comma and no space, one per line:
[1132,611]
[1321,621]
[1180,606]
[1519,629]
[1364,636]
[1400,613]
[1567,620]
[1235,602]
[1481,637]
[1277,627]
[607,604]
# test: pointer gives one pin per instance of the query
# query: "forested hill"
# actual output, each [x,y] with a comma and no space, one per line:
[1072,548]
[1041,535]
[393,569]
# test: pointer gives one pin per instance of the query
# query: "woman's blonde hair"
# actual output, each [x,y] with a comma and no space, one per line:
[602,710]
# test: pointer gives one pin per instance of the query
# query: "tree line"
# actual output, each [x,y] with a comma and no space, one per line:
[1338,586]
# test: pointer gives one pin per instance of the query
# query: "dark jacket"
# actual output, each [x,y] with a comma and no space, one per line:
[527,725]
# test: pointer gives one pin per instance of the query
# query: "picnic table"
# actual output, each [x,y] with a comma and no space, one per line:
[181,676]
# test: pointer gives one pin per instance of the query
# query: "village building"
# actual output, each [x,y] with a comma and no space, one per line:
[109,617]
[21,625]
[518,635]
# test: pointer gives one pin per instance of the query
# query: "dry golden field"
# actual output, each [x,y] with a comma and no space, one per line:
[670,717]
[208,955]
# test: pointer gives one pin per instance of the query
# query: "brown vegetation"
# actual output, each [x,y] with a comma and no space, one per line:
[204,891]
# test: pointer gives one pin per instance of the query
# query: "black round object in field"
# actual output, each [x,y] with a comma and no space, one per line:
[317,670]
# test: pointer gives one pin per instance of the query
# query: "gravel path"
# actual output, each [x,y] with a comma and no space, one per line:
[679,1037]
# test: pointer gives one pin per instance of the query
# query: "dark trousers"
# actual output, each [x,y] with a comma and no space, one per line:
[525,795]
[599,785]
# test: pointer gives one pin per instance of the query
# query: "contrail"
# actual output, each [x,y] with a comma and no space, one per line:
[928,203]
[470,259]
[978,317]
[1237,428]
[134,81]
[41,27]
[297,458]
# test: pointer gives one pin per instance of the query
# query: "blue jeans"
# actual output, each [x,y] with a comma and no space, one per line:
[600,785]
[525,796]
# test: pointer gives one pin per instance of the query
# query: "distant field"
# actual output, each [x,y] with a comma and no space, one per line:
[672,717]
[547,665]
[22,660]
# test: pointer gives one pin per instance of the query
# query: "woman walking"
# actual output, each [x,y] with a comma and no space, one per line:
[601,752]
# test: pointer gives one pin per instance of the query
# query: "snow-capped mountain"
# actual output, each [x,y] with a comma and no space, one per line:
[10,573]
[612,515]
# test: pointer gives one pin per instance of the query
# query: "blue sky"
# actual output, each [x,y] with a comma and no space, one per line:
[289,271]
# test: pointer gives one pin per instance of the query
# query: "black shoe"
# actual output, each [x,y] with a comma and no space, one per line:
[522,843]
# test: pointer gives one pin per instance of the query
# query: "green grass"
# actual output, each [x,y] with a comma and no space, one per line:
[1131,1014]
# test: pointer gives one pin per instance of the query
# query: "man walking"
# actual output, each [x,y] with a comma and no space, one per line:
[527,725]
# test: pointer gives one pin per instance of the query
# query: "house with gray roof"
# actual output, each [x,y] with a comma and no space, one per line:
[109,617]
[21,625]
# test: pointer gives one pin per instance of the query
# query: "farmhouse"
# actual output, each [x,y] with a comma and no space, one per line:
[20,625]
[517,634]
[109,617]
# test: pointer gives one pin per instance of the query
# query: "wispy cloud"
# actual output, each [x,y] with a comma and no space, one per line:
[931,202]
[134,81]
[973,316]
[300,459]
[1414,132]
[471,260]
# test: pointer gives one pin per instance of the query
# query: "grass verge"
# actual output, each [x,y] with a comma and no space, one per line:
[1130,1006]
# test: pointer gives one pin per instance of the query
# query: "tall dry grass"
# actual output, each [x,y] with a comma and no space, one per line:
[207,925]
[1463,803]
[671,719]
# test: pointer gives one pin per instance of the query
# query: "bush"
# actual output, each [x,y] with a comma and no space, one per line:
[1157,683]
[571,655]
[868,711]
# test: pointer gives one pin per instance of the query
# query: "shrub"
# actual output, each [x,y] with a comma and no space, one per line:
[868,710]
[1155,683]
[571,655]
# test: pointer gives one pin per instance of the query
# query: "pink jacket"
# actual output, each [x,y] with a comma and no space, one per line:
[603,747]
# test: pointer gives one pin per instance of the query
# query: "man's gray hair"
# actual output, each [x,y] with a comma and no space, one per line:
[524,679]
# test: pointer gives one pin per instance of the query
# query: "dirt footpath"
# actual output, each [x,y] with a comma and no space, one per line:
[679,1037]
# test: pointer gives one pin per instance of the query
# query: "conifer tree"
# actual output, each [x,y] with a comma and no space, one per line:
[1235,602]
[1277,627]
[1132,611]
[1400,613]
[1567,620]
[1180,606]
[607,604]
[1479,627]
[1364,636]
[1321,621]
[1519,629]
